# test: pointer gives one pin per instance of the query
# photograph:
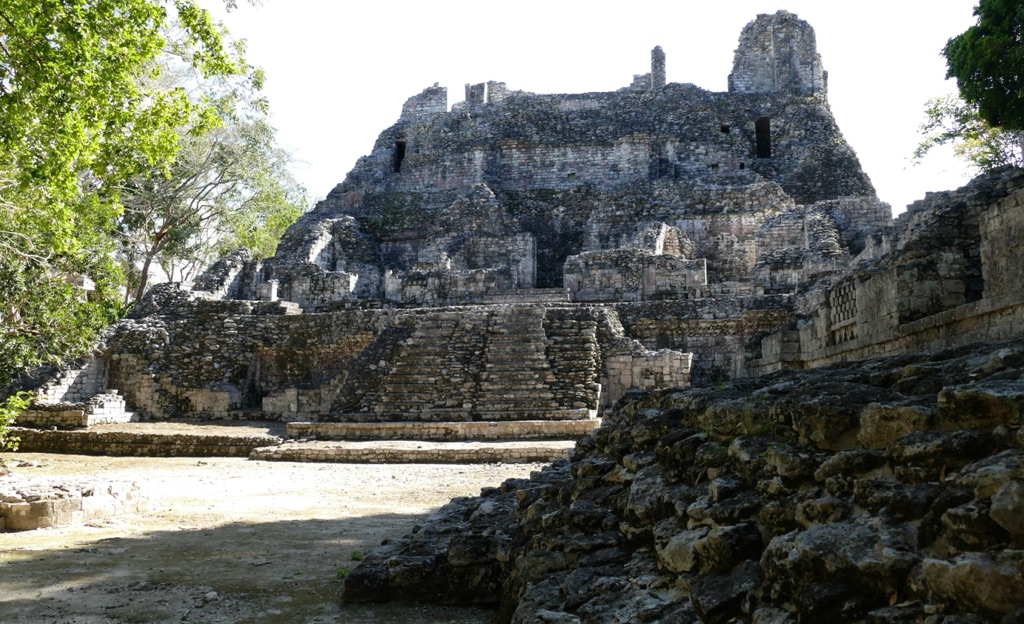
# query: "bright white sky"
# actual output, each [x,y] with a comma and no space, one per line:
[339,72]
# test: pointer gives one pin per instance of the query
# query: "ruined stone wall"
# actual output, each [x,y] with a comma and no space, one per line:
[226,359]
[942,280]
[126,444]
[632,275]
[575,173]
[720,333]
[777,53]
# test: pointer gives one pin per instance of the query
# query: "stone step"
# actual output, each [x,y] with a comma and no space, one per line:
[494,389]
[499,369]
[515,350]
[415,451]
[513,405]
[384,416]
[443,431]
[502,414]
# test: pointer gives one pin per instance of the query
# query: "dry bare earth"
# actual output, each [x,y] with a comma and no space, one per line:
[226,540]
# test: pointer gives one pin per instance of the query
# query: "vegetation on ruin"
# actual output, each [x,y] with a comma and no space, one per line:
[9,409]
[99,99]
[987,61]
[985,124]
[952,121]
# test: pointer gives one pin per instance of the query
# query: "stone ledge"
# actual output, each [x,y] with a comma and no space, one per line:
[408,452]
[129,444]
[444,431]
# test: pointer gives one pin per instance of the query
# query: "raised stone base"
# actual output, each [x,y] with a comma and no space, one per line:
[141,444]
[411,451]
[444,431]
[100,409]
[29,504]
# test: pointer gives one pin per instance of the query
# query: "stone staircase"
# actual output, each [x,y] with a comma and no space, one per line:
[513,383]
[489,364]
[495,383]
[432,378]
[516,380]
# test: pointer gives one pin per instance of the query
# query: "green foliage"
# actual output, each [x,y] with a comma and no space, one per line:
[987,61]
[85,103]
[357,555]
[229,187]
[952,121]
[9,410]
[342,573]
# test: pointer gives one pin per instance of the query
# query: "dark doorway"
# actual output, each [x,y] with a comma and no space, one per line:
[399,155]
[763,130]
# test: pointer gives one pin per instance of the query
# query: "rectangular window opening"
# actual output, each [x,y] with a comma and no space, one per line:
[763,132]
[399,156]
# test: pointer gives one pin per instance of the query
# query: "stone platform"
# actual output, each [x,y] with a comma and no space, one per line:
[417,451]
[444,431]
[379,442]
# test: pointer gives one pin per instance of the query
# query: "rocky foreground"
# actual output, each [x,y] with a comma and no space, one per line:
[884,491]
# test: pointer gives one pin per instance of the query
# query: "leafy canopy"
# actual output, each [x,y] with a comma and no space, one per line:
[951,121]
[79,112]
[987,61]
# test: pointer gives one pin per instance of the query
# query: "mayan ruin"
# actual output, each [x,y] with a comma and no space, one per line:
[764,398]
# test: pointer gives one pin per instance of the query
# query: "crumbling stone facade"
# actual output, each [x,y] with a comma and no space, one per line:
[506,190]
[945,274]
[523,257]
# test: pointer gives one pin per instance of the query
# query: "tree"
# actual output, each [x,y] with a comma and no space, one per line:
[76,117]
[952,121]
[987,61]
[224,188]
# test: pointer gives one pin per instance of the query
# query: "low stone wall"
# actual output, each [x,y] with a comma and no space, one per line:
[100,409]
[119,443]
[443,431]
[27,504]
[64,416]
[416,452]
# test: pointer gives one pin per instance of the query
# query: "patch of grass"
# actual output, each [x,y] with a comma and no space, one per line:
[357,555]
[342,573]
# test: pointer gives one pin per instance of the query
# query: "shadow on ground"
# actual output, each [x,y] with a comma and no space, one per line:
[287,571]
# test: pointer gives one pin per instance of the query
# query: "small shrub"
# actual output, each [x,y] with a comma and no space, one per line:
[9,410]
[357,555]
[341,573]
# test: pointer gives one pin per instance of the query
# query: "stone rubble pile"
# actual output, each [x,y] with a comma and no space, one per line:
[890,490]
[27,504]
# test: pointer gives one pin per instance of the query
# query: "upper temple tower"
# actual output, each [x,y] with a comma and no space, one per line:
[778,53]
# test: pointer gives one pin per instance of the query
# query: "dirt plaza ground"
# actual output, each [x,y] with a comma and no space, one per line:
[226,540]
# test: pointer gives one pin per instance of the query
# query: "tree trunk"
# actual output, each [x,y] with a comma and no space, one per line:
[143,278]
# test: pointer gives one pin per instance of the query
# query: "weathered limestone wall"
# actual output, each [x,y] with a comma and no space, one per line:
[944,278]
[498,362]
[26,505]
[632,275]
[718,332]
[108,407]
[778,53]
